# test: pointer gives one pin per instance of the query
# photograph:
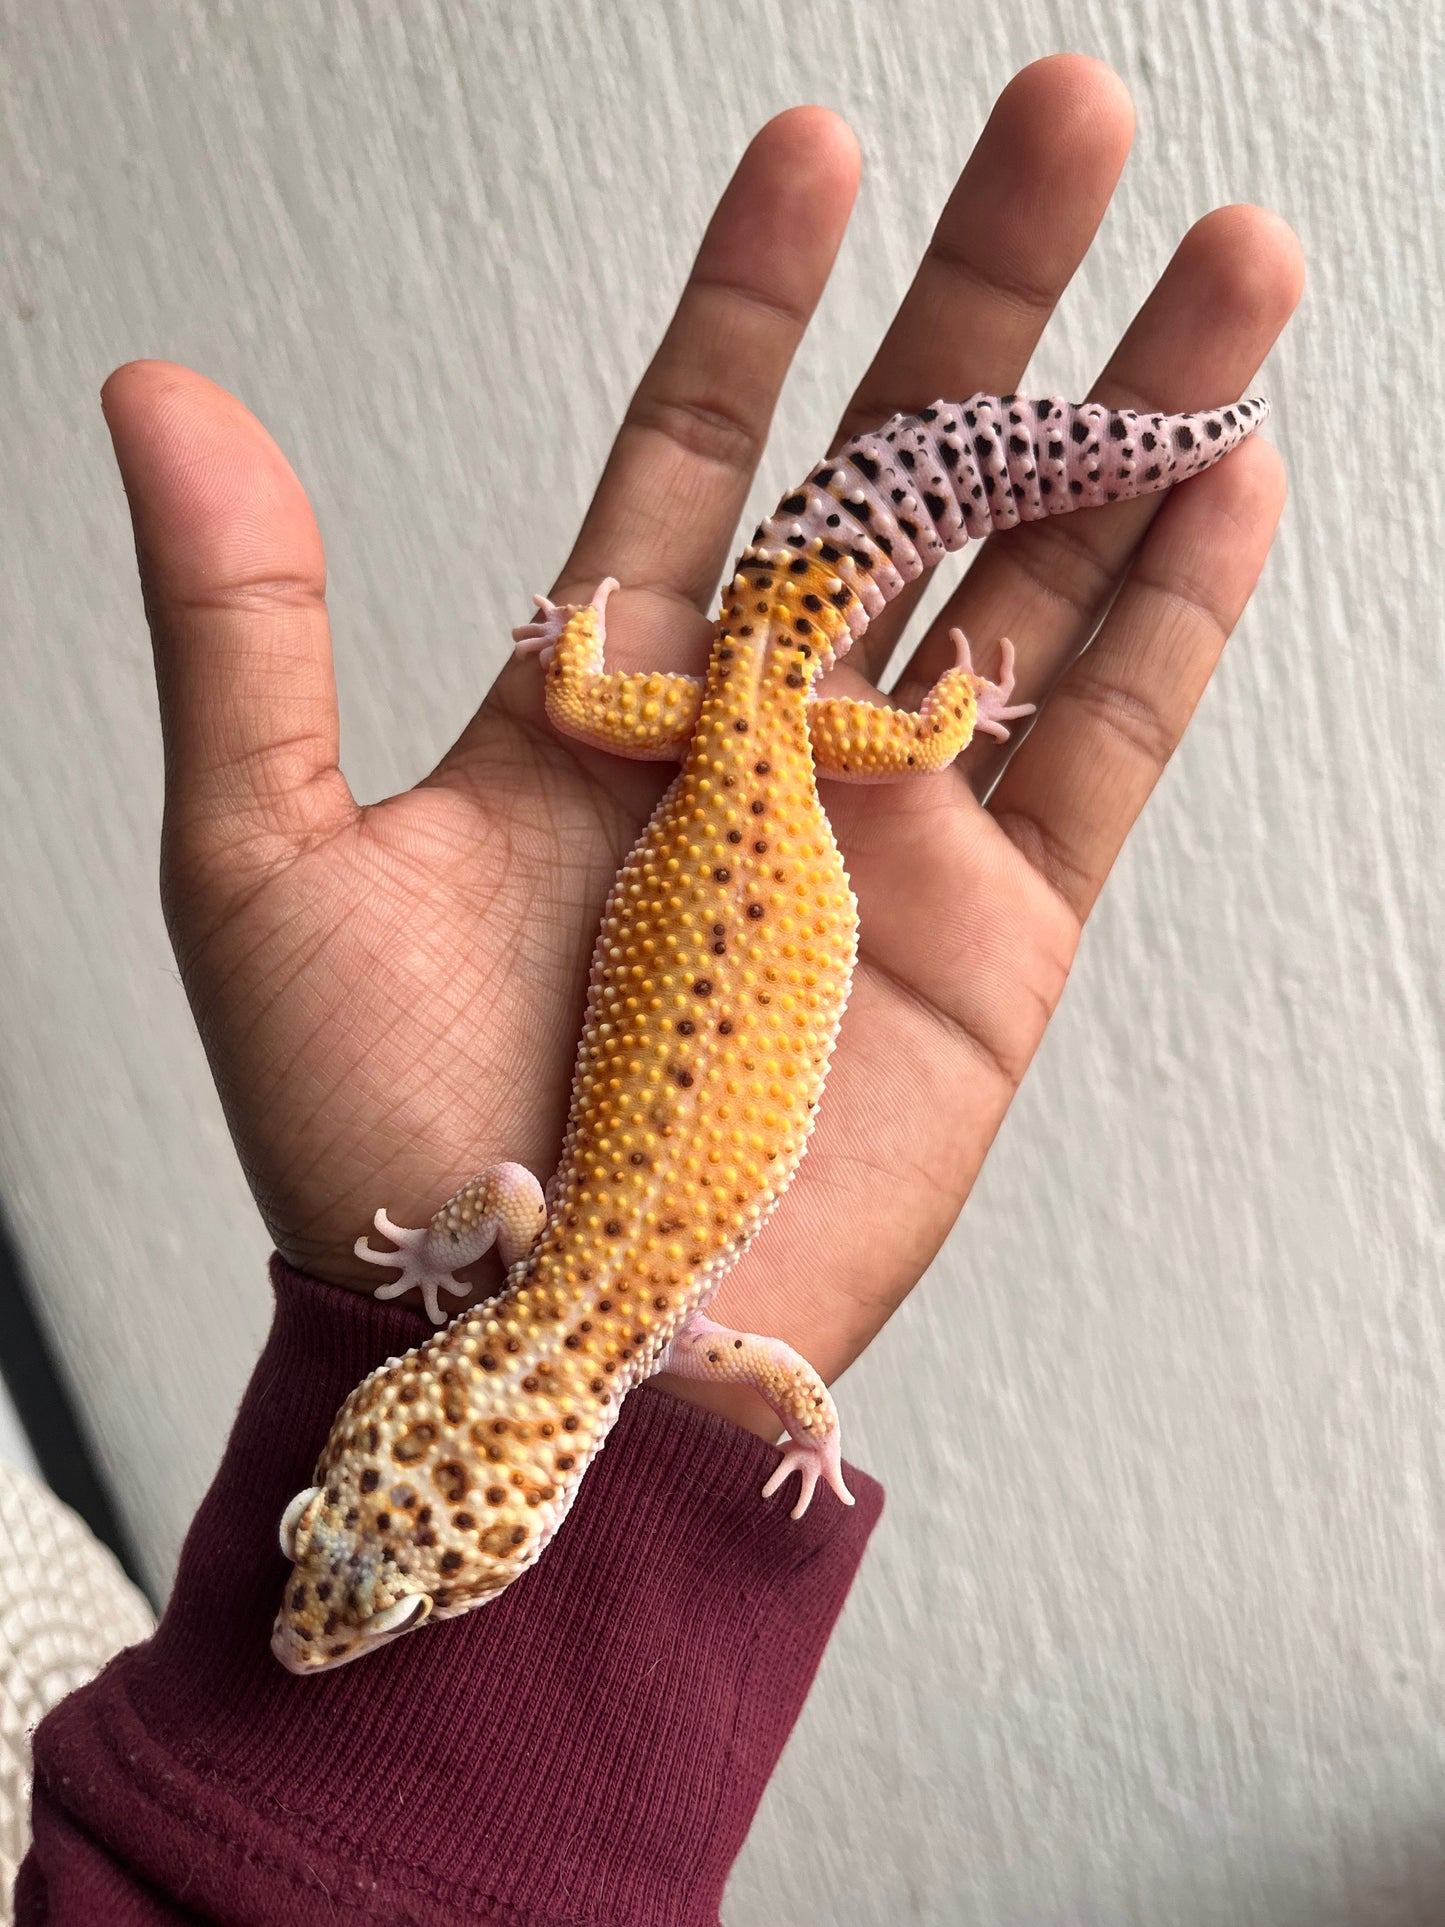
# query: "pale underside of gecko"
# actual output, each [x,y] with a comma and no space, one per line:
[718,983]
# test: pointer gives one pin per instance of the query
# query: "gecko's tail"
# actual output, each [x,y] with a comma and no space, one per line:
[894,502]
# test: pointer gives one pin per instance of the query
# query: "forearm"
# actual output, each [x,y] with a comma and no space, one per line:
[594,1742]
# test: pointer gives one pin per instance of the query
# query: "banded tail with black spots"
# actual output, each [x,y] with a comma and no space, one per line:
[895,501]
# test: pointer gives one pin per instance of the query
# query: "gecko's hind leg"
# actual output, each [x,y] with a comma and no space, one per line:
[502,1205]
[858,742]
[647,715]
[716,1355]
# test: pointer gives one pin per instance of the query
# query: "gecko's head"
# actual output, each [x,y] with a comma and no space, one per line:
[346,1595]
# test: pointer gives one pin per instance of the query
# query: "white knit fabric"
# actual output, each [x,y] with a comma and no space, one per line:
[65,1608]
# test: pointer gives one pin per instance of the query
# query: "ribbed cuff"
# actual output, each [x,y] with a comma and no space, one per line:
[589,1748]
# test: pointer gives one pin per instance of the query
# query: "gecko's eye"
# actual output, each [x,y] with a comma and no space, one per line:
[400,1617]
[291,1520]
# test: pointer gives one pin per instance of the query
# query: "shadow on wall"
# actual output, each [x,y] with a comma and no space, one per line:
[47,1411]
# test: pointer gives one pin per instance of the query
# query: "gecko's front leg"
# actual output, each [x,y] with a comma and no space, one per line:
[650,716]
[714,1354]
[502,1205]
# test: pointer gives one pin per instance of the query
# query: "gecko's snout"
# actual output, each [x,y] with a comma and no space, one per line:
[305,1645]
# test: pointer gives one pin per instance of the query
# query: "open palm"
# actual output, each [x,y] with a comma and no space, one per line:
[390,996]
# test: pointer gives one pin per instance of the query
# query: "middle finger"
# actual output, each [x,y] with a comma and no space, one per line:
[1016,226]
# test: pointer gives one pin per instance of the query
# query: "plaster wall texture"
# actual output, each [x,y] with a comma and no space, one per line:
[1154,1628]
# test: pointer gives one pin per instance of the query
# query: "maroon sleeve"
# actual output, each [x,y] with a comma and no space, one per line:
[590,1746]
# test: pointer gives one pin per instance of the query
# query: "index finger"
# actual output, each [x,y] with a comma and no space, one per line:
[667,506]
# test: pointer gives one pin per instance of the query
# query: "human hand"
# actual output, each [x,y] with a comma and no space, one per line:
[390,996]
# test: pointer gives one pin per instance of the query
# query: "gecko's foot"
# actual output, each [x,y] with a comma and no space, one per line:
[541,637]
[811,1463]
[994,707]
[418,1270]
[536,638]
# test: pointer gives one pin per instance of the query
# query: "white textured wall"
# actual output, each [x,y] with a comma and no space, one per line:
[1154,1629]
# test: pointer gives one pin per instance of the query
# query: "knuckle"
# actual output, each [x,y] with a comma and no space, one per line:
[1125,714]
[704,430]
[1072,880]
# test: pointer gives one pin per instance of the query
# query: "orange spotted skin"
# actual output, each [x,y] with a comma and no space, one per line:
[718,982]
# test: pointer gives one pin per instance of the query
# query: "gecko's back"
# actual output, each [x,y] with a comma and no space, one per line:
[718,982]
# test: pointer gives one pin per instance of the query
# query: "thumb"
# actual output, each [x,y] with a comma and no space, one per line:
[234,580]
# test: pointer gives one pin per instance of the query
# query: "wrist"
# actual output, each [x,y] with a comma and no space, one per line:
[646,1671]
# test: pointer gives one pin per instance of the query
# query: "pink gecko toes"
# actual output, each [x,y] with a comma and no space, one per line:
[533,637]
[810,1462]
[962,654]
[417,1271]
[994,708]
[539,638]
[536,640]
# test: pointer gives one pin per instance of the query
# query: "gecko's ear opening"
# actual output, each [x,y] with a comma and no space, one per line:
[291,1520]
[400,1617]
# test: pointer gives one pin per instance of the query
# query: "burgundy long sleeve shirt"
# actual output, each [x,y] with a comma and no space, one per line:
[586,1751]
